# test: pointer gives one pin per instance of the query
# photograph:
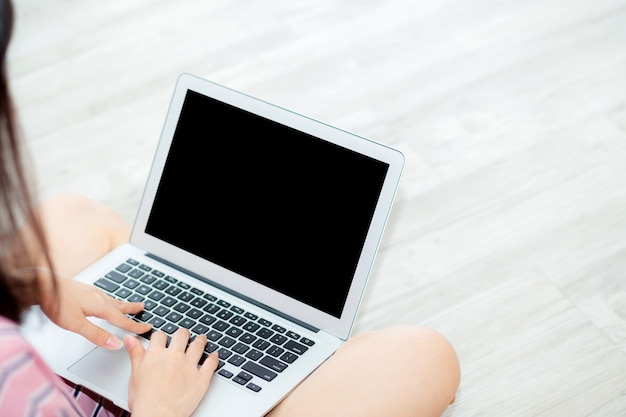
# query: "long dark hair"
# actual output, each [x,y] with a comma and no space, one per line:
[19,286]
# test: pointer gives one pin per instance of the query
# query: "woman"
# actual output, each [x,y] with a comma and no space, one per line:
[42,245]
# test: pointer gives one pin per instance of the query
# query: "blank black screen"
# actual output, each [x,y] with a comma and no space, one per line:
[273,204]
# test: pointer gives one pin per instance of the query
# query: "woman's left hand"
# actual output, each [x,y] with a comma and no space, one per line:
[74,301]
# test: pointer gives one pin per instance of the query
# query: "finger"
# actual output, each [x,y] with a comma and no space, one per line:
[119,319]
[98,335]
[196,348]
[127,307]
[180,339]
[135,351]
[209,366]
[158,339]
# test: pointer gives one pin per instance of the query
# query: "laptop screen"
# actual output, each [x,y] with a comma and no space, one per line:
[276,205]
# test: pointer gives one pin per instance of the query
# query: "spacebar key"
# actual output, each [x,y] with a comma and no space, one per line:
[259,371]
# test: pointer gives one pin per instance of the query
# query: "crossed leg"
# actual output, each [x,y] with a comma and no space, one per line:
[394,372]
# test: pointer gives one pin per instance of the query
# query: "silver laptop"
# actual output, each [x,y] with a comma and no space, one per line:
[258,227]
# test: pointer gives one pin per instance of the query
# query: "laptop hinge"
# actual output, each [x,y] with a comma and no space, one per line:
[235,293]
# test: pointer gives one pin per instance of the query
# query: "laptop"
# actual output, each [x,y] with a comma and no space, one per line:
[258,226]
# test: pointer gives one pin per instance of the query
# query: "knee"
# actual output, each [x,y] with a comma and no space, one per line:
[424,354]
[438,357]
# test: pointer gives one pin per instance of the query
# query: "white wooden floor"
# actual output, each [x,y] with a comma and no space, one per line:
[509,232]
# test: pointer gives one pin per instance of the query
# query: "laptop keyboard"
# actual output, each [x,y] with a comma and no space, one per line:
[256,349]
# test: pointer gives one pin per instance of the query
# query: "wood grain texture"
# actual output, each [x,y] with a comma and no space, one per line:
[509,231]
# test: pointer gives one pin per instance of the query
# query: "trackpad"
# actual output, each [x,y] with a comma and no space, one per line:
[108,370]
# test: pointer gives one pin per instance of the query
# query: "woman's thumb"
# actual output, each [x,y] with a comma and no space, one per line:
[135,349]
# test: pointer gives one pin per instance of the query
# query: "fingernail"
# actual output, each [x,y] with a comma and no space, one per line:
[113,343]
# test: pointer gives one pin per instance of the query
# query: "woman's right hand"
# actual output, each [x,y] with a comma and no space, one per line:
[167,381]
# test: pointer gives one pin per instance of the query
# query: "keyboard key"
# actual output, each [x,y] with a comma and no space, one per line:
[211,347]
[135,298]
[237,321]
[264,333]
[131,283]
[210,297]
[261,344]
[254,354]
[194,313]
[237,360]
[168,301]
[279,329]
[295,347]
[224,353]
[221,326]
[186,296]
[174,317]
[136,273]
[173,291]
[200,329]
[156,295]
[237,310]
[161,311]
[211,308]
[273,364]
[224,314]
[213,335]
[143,316]
[258,370]
[234,332]
[208,320]
[251,327]
[240,348]
[147,279]
[106,285]
[182,307]
[160,285]
[198,302]
[226,341]
[169,328]
[254,387]
[307,342]
[123,293]
[116,277]
[225,373]
[248,338]
[294,336]
[187,323]
[251,316]
[143,289]
[275,351]
[278,339]
[123,268]
[157,322]
[289,357]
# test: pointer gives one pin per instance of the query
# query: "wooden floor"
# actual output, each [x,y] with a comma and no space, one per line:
[509,231]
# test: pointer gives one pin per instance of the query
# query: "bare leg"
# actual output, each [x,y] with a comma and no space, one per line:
[401,371]
[79,231]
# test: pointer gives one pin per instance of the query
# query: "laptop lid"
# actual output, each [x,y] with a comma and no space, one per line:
[276,207]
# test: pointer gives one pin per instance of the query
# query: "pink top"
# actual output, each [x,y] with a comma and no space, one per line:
[29,388]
